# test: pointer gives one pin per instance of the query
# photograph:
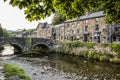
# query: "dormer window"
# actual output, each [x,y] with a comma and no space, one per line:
[86,21]
[96,27]
[96,19]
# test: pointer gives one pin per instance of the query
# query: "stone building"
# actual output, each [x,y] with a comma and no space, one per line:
[59,30]
[44,30]
[89,28]
[33,34]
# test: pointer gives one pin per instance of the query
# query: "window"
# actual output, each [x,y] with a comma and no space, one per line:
[72,31]
[86,21]
[86,28]
[61,37]
[48,31]
[78,31]
[68,31]
[67,25]
[72,24]
[96,19]
[96,27]
[78,24]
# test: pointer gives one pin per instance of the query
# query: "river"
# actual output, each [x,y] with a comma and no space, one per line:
[65,67]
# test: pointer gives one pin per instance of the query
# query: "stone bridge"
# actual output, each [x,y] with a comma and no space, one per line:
[25,44]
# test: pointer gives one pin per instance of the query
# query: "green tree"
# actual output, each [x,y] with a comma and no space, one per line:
[57,19]
[5,33]
[30,30]
[1,31]
[38,9]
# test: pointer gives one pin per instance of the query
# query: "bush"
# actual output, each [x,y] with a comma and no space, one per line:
[1,48]
[90,45]
[104,57]
[13,70]
[115,60]
[79,44]
[104,45]
[90,54]
[115,48]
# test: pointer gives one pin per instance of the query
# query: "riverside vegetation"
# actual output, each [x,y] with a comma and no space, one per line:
[15,72]
[102,52]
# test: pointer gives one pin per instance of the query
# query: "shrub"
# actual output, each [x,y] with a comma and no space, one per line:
[104,45]
[79,44]
[13,70]
[91,54]
[115,60]
[115,47]
[99,56]
[90,45]
[104,57]
[1,48]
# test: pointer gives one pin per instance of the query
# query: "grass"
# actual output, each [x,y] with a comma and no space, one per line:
[13,70]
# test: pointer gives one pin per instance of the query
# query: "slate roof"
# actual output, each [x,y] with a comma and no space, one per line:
[59,25]
[89,16]
[44,25]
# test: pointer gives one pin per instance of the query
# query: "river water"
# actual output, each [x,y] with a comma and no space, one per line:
[65,67]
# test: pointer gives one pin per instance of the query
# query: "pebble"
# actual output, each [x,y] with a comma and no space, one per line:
[34,74]
[2,72]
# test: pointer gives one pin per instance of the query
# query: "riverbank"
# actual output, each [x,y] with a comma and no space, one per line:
[41,68]
[2,72]
[11,72]
[65,67]
[14,72]
[102,52]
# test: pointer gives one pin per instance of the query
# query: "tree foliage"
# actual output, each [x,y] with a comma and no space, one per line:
[58,18]
[30,30]
[1,32]
[38,9]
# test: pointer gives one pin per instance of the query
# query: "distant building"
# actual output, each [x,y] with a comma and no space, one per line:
[33,34]
[44,30]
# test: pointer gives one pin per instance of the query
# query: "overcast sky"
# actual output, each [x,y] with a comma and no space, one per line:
[12,18]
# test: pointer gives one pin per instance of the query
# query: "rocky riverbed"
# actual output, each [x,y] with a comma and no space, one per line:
[40,69]
[64,67]
[2,72]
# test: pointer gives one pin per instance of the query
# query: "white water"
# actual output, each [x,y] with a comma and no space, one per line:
[8,50]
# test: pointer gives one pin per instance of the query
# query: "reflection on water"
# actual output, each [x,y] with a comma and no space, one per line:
[72,67]
[90,69]
[8,50]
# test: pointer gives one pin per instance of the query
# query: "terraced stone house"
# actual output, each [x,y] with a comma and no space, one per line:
[44,30]
[89,28]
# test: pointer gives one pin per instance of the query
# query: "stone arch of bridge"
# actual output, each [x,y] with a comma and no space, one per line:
[17,47]
[43,45]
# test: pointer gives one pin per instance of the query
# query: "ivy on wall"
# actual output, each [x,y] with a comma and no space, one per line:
[28,42]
